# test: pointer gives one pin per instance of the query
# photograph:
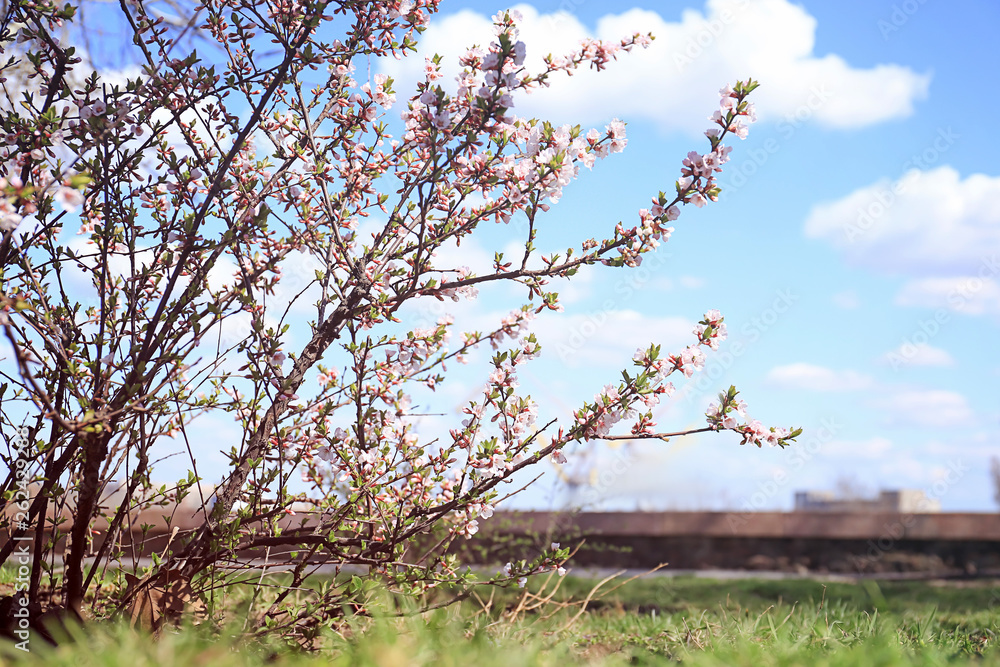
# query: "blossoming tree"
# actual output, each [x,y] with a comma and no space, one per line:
[200,186]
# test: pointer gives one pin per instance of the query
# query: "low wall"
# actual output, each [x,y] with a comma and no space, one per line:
[952,543]
[945,543]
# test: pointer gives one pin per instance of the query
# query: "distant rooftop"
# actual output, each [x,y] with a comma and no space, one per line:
[906,501]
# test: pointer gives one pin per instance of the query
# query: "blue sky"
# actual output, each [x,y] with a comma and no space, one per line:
[854,250]
[862,296]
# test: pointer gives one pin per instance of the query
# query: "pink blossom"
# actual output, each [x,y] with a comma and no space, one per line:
[9,220]
[519,51]
[616,129]
[402,9]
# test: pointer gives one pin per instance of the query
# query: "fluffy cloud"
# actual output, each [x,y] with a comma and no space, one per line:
[602,338]
[848,300]
[971,295]
[929,223]
[920,354]
[933,408]
[870,449]
[817,378]
[979,445]
[676,79]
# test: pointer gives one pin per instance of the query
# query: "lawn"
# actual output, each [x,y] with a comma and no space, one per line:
[661,620]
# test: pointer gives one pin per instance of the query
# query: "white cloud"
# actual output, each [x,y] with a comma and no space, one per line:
[209,434]
[81,276]
[471,254]
[979,445]
[906,471]
[871,448]
[971,295]
[674,82]
[920,354]
[848,300]
[817,378]
[929,223]
[602,338]
[934,408]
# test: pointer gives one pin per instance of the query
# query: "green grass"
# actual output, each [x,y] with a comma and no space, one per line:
[798,623]
[645,622]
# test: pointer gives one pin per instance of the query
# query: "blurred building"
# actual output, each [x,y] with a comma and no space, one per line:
[899,501]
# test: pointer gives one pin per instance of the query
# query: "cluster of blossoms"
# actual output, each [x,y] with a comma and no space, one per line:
[413,352]
[514,416]
[600,53]
[608,410]
[382,95]
[723,416]
[712,330]
[498,463]
[356,462]
[97,116]
[552,559]
[455,293]
[11,189]
[214,198]
[468,519]
[617,403]
[46,150]
[548,158]
[697,184]
[614,404]
[513,326]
